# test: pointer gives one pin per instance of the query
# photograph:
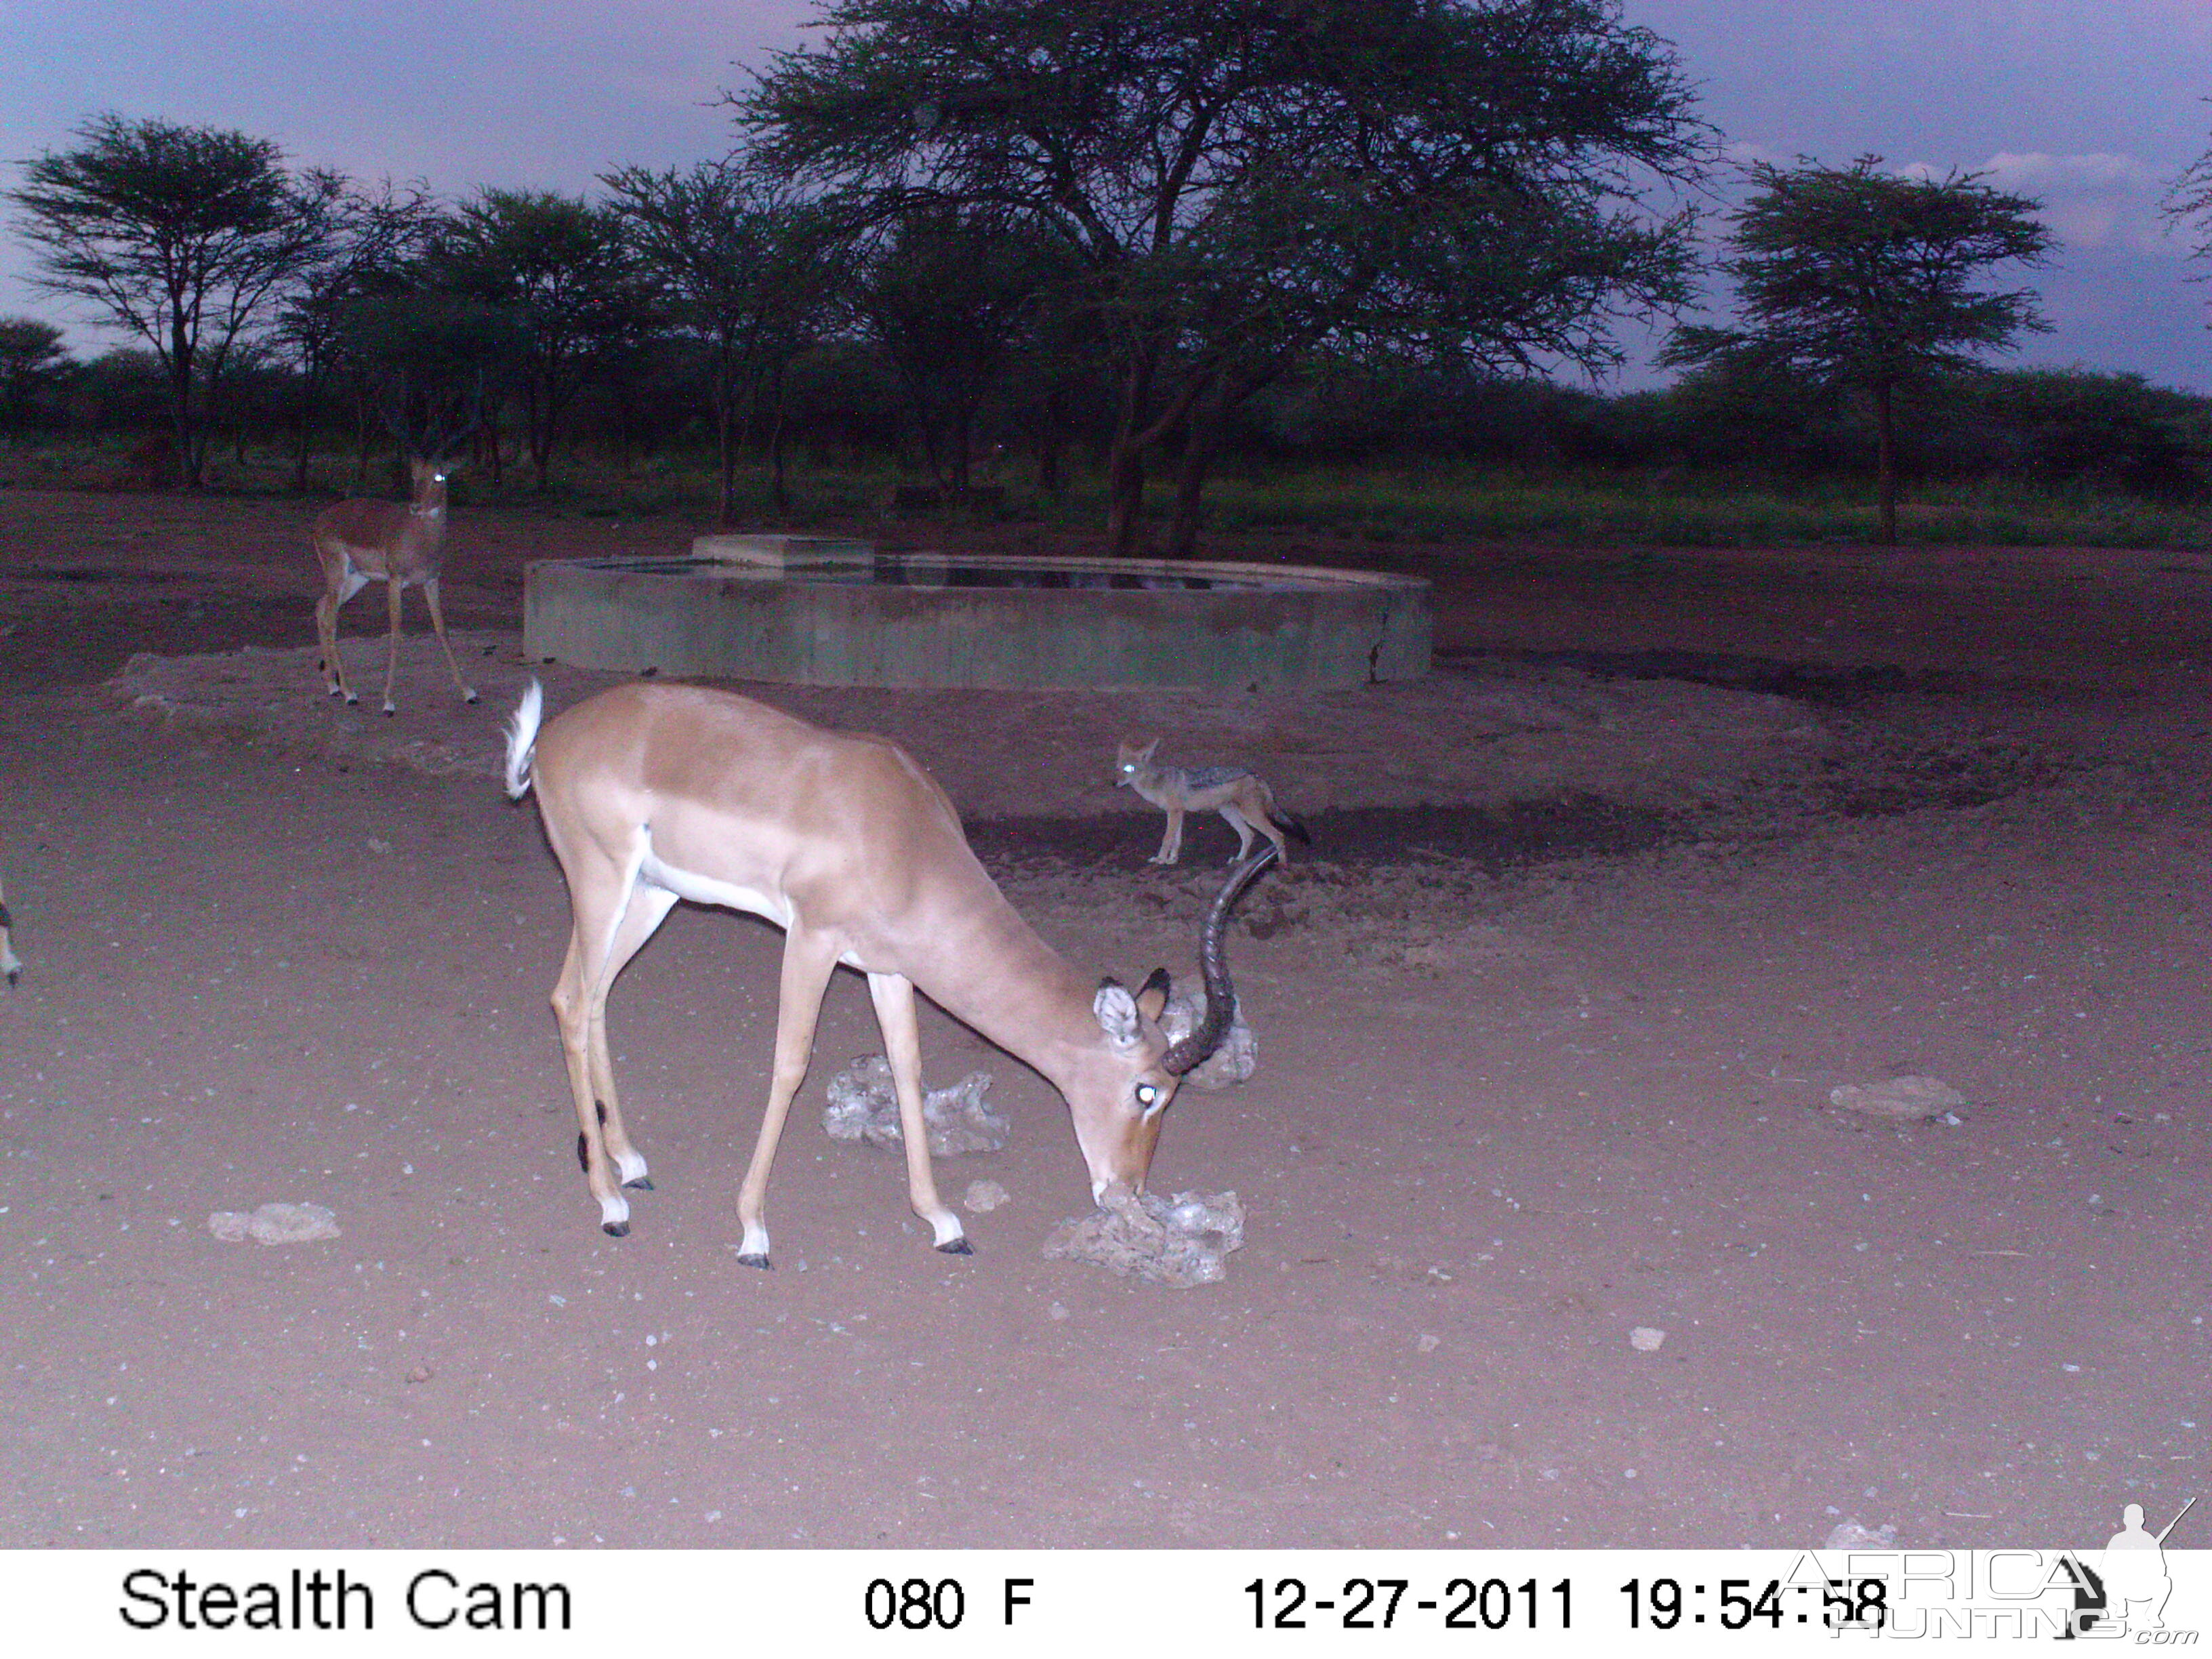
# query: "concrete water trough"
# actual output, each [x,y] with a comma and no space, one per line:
[815,611]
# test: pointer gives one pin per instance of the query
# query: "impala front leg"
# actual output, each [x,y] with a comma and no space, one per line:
[808,962]
[393,592]
[893,994]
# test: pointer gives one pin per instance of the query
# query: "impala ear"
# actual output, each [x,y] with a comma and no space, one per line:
[1152,995]
[1117,1015]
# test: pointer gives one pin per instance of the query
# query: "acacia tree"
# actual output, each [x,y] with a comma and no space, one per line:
[744,267]
[1856,278]
[561,268]
[1242,180]
[183,236]
[377,240]
[948,299]
[2188,207]
[34,364]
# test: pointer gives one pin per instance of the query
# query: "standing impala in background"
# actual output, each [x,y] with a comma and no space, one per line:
[359,542]
[8,965]
[651,794]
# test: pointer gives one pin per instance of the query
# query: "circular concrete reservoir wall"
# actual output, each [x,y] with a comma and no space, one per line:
[809,612]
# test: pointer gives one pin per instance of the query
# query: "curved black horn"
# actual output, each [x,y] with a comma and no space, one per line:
[1214,962]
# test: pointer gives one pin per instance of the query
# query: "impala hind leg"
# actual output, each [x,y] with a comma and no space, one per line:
[338,586]
[647,908]
[893,995]
[438,626]
[807,964]
[600,895]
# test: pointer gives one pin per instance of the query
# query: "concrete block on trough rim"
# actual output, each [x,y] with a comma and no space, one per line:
[771,552]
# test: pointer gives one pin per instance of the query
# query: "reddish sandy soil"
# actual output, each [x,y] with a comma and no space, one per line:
[1668,848]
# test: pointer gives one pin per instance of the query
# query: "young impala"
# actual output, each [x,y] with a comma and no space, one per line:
[359,542]
[652,793]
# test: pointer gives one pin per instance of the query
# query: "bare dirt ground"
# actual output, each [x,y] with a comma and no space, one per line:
[1670,846]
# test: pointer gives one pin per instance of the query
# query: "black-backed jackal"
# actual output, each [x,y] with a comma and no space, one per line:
[1239,796]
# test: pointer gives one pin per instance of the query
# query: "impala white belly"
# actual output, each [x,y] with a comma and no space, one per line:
[709,890]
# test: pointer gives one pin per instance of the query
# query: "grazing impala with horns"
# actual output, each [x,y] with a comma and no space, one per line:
[651,794]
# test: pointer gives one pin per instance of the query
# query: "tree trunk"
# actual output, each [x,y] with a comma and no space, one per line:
[1125,496]
[725,456]
[493,447]
[1200,444]
[303,449]
[181,364]
[962,437]
[1052,442]
[538,437]
[1885,422]
[778,494]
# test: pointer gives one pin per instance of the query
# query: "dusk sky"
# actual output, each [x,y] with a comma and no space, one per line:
[2093,107]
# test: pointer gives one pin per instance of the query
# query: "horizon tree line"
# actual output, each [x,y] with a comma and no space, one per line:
[1151,221]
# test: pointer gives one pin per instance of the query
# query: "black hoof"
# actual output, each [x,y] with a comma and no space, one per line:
[389,712]
[956,1247]
[752,1259]
[614,1229]
[642,1184]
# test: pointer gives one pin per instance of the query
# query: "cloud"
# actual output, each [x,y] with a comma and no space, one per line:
[2100,200]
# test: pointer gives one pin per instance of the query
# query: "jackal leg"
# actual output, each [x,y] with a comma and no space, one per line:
[1171,842]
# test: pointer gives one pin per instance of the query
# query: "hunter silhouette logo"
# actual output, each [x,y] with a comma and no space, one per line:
[2131,1580]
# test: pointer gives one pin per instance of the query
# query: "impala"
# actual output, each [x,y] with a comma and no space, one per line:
[652,793]
[359,542]
[8,965]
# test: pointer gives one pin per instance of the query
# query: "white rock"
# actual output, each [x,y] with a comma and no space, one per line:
[1233,1062]
[864,1106]
[1901,1099]
[983,1196]
[1183,1241]
[1851,1535]
[1645,1339]
[275,1223]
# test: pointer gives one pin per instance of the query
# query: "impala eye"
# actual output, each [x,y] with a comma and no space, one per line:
[1146,1096]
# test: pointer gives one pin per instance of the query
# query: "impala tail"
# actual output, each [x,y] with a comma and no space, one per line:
[522,739]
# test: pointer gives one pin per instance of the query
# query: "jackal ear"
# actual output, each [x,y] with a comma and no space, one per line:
[1145,753]
[1152,995]
[1117,1015]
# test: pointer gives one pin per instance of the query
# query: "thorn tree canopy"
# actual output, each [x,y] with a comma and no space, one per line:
[1861,277]
[183,236]
[1243,181]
